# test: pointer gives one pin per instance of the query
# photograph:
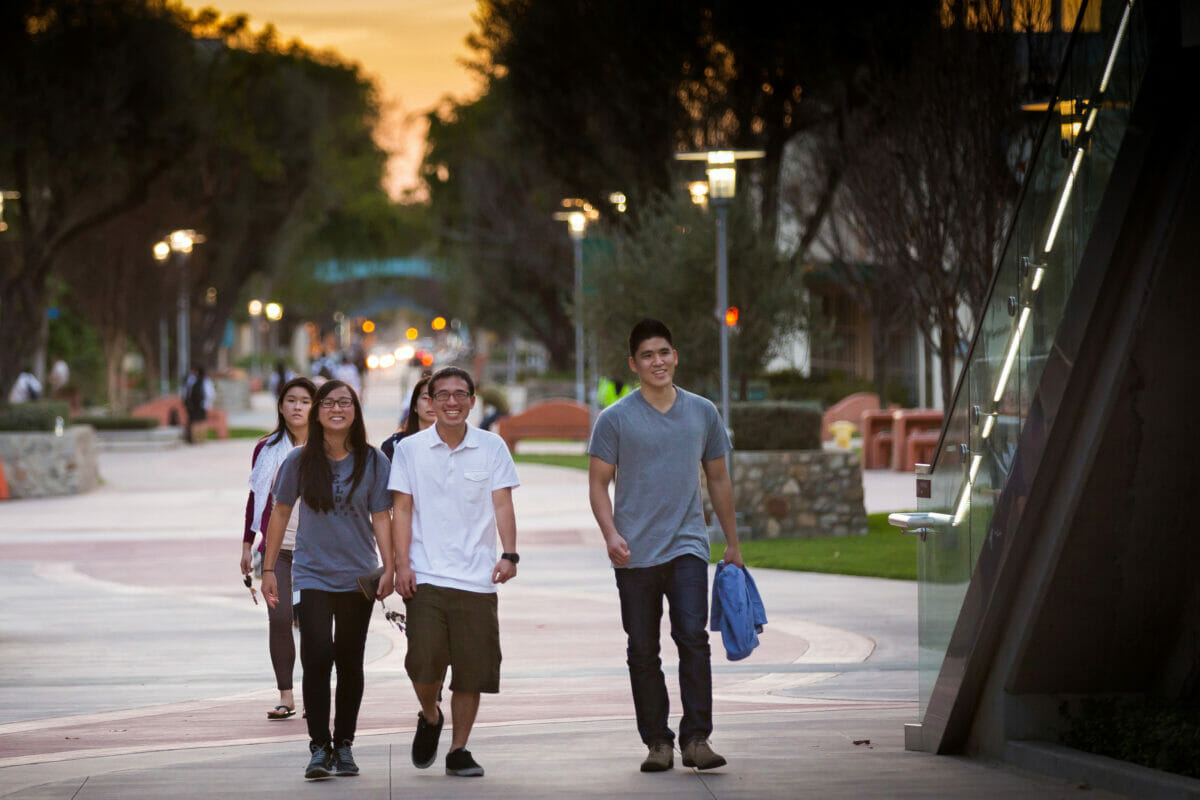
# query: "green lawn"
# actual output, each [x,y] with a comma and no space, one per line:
[241,433]
[573,460]
[883,553]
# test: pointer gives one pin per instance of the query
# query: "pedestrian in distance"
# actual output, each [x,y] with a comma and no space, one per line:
[26,388]
[291,431]
[419,417]
[651,443]
[198,396]
[60,373]
[340,484]
[452,497]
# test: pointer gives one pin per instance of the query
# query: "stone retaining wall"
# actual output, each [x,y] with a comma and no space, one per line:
[799,494]
[46,464]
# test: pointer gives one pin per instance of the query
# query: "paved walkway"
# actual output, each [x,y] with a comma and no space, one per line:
[133,663]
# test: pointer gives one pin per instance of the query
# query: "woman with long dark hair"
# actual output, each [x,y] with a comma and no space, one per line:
[339,483]
[291,431]
[420,416]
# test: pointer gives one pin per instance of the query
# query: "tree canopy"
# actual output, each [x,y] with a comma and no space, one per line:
[126,119]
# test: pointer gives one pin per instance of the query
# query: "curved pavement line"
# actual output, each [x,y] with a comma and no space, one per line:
[826,645]
[67,572]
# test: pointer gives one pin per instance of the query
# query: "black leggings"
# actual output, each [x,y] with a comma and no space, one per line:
[333,630]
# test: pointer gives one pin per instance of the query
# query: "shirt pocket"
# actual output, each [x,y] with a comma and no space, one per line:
[476,485]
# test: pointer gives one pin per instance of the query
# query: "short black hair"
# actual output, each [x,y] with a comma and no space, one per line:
[648,329]
[452,372]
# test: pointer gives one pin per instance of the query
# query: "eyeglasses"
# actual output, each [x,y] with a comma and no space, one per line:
[341,402]
[458,395]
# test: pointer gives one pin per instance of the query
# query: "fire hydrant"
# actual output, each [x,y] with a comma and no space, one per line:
[842,431]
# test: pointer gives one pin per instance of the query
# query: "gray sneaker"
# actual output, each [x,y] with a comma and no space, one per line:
[697,753]
[660,758]
[320,765]
[343,760]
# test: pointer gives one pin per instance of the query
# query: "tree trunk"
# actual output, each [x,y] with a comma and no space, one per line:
[947,352]
[114,360]
[21,318]
[879,357]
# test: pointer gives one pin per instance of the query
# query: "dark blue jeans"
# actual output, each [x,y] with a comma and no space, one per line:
[684,583]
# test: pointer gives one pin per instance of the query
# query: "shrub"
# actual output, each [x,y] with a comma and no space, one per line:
[1152,732]
[829,388]
[775,426]
[40,415]
[102,423]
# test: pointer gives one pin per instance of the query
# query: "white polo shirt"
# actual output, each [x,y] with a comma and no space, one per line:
[454,523]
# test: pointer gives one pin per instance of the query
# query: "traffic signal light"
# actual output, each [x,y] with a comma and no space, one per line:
[731,316]
[438,323]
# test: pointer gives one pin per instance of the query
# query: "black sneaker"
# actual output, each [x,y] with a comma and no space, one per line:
[460,763]
[343,761]
[425,741]
[321,763]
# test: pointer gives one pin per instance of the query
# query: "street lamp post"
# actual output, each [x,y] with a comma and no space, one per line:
[722,185]
[179,244]
[577,220]
[274,313]
[256,309]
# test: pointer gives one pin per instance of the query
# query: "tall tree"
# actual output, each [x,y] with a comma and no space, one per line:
[492,200]
[98,98]
[931,198]
[663,265]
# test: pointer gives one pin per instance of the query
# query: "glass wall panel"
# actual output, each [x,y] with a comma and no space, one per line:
[1064,187]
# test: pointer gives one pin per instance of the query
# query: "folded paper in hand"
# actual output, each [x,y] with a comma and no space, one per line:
[369,583]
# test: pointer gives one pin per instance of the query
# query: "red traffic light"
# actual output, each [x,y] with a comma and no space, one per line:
[731,316]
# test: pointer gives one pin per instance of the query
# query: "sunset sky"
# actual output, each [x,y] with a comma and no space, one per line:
[412,48]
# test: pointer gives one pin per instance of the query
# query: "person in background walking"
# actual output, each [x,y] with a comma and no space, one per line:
[340,484]
[60,374]
[198,396]
[291,431]
[652,443]
[26,389]
[419,417]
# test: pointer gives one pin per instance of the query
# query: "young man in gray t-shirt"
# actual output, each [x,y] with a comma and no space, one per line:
[653,442]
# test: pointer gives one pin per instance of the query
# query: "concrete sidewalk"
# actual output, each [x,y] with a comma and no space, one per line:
[133,663]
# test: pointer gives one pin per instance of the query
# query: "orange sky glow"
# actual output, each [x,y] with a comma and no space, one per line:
[413,49]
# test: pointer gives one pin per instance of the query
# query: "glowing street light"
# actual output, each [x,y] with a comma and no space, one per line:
[721,167]
[577,221]
[180,243]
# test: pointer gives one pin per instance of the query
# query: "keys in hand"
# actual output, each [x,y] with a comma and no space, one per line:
[250,585]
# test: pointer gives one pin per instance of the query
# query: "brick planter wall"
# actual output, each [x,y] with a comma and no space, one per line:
[43,464]
[798,494]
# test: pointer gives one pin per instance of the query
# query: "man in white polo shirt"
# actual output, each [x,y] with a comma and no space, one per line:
[451,496]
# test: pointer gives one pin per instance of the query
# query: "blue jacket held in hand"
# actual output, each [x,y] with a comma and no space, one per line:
[737,611]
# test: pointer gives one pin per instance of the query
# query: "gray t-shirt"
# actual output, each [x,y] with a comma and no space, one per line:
[335,547]
[658,456]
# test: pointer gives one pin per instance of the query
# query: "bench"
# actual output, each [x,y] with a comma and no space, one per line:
[849,409]
[552,419]
[876,430]
[920,448]
[908,422]
[169,410]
